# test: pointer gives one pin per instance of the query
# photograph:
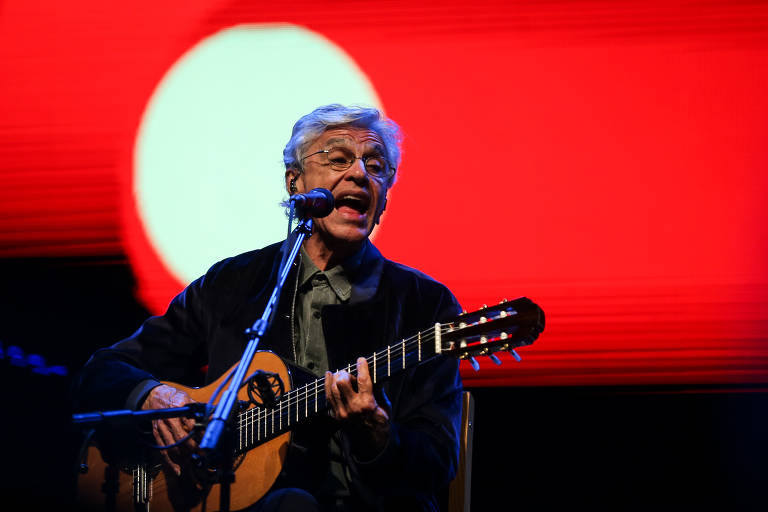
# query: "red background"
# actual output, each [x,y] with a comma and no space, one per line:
[606,159]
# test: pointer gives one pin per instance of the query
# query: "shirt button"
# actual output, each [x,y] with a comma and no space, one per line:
[316,314]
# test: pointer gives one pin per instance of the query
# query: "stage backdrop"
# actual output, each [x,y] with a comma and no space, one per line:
[606,159]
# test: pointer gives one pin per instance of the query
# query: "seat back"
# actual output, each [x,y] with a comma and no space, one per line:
[460,487]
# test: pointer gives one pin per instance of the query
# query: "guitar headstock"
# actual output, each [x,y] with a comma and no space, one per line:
[503,327]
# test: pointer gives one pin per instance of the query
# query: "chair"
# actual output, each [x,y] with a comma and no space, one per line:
[460,487]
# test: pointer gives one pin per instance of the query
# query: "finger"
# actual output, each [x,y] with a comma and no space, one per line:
[346,384]
[328,393]
[364,384]
[180,399]
[157,429]
[156,434]
[177,429]
[174,467]
[165,433]
[339,399]
[177,426]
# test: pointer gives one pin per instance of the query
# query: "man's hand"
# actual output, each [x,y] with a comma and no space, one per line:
[352,402]
[170,430]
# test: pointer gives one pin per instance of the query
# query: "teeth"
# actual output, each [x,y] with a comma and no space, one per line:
[354,202]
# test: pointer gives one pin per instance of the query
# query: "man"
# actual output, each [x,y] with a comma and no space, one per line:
[384,447]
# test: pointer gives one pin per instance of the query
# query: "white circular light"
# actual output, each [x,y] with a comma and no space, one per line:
[208,173]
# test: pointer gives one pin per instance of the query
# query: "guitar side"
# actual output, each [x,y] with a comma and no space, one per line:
[125,488]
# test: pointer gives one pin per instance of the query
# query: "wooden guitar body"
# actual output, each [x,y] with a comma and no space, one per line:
[132,488]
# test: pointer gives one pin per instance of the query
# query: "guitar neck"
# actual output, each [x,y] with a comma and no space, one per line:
[504,326]
[260,424]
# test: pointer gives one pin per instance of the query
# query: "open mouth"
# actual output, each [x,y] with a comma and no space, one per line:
[357,203]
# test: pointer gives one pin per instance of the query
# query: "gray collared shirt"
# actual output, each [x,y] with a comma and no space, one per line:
[355,280]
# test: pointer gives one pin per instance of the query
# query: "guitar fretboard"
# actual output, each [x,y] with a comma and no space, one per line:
[260,424]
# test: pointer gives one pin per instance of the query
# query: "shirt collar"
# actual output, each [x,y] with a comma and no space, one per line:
[356,279]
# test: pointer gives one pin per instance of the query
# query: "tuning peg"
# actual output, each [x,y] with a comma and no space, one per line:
[495,359]
[515,355]
[474,363]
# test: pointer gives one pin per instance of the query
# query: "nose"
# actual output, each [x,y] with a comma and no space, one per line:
[357,170]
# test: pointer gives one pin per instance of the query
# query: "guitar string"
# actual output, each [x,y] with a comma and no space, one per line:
[401,351]
[301,392]
[293,399]
[290,411]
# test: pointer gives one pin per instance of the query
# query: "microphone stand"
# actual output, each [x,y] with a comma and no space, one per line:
[211,445]
[214,450]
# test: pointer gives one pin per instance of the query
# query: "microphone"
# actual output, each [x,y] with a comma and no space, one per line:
[316,203]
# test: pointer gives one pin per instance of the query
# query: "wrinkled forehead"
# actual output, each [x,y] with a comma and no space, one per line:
[353,138]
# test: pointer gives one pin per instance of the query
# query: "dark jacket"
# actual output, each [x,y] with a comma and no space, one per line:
[204,325]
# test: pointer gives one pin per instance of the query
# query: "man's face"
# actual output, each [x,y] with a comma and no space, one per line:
[359,198]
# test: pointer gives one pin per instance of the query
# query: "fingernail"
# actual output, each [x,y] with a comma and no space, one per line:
[177,471]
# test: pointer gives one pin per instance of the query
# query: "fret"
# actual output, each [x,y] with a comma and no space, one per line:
[419,345]
[257,424]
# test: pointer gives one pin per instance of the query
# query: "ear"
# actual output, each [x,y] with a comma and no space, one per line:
[292,178]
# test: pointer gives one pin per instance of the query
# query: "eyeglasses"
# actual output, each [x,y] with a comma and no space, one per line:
[341,159]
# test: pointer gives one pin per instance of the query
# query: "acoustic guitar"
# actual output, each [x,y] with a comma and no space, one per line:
[263,425]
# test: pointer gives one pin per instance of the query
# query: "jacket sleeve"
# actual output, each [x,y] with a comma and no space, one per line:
[421,454]
[167,347]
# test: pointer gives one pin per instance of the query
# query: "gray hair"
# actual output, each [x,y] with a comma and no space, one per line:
[311,126]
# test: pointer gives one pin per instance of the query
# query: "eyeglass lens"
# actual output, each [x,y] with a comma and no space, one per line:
[341,159]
